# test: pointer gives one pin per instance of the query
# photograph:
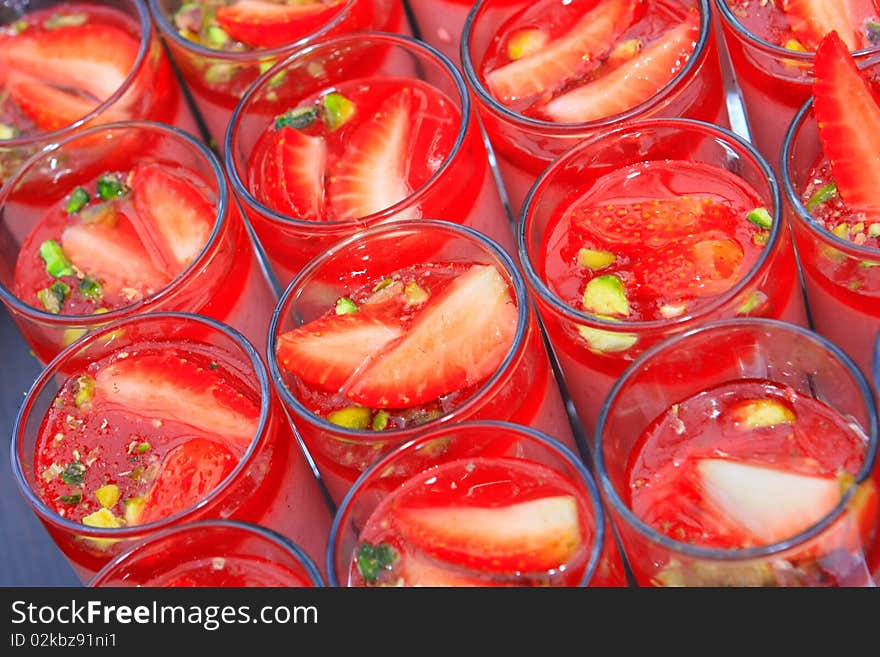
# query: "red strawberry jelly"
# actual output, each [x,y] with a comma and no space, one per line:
[477,522]
[654,240]
[584,60]
[406,348]
[354,149]
[115,240]
[142,434]
[234,571]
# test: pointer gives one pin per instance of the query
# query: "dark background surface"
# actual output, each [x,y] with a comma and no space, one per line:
[28,557]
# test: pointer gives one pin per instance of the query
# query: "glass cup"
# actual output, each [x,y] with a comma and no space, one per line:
[774,81]
[841,278]
[522,390]
[525,146]
[150,91]
[591,364]
[218,78]
[211,553]
[224,281]
[271,485]
[461,190]
[699,361]
[441,23]
[475,440]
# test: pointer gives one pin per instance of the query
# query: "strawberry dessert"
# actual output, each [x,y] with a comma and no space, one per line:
[639,248]
[155,420]
[78,63]
[704,471]
[772,46]
[830,158]
[557,70]
[340,152]
[222,46]
[211,553]
[408,340]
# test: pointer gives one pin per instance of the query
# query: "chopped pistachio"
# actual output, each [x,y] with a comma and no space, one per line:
[372,559]
[219,72]
[57,264]
[59,21]
[868,264]
[525,42]
[353,417]
[216,37]
[104,214]
[143,447]
[84,390]
[133,508]
[593,259]
[345,306]
[380,420]
[52,472]
[625,50]
[794,44]
[91,289]
[874,230]
[107,495]
[8,131]
[672,310]
[605,295]
[102,518]
[757,413]
[77,200]
[415,293]
[604,341]
[18,26]
[110,187]
[756,300]
[300,117]
[266,64]
[873,32]
[189,17]
[73,474]
[337,110]
[822,195]
[760,217]
[381,285]
[761,238]
[73,499]
[53,296]
[276,81]
[841,230]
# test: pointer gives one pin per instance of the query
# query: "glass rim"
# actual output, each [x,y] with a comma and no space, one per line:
[244,56]
[560,129]
[51,137]
[410,44]
[48,515]
[223,208]
[739,554]
[804,216]
[726,136]
[768,47]
[543,439]
[279,540]
[505,368]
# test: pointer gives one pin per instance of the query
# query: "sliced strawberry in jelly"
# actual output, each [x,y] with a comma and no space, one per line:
[170,388]
[113,256]
[270,24]
[48,107]
[533,536]
[630,84]
[326,352]
[651,223]
[93,59]
[563,58]
[293,165]
[811,20]
[767,504]
[186,475]
[848,116]
[372,173]
[173,216]
[459,339]
[418,570]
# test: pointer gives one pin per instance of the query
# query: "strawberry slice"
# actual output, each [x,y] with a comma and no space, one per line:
[326,352]
[632,83]
[93,59]
[173,217]
[372,175]
[848,116]
[459,339]
[292,180]
[545,68]
[625,223]
[811,20]
[170,388]
[188,473]
[48,107]
[270,24]
[533,536]
[766,503]
[115,257]
[418,570]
